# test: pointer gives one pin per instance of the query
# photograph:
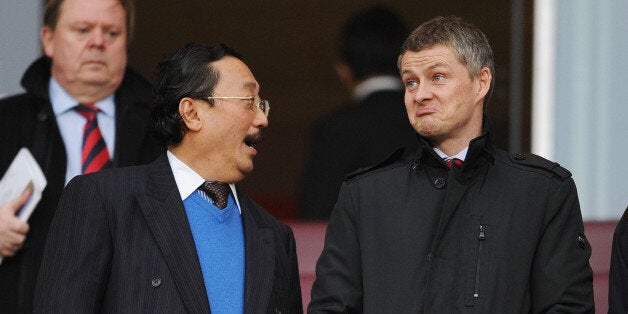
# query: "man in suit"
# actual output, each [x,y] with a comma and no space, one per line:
[371,127]
[459,226]
[155,238]
[85,44]
[618,273]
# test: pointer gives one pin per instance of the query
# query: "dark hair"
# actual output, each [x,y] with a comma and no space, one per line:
[53,10]
[370,42]
[187,72]
[466,40]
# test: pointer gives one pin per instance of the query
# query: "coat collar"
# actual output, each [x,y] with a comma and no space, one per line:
[260,257]
[481,149]
[132,101]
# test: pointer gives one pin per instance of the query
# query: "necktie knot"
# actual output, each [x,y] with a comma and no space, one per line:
[218,191]
[454,161]
[88,111]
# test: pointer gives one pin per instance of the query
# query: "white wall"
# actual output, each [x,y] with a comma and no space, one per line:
[20,21]
[587,129]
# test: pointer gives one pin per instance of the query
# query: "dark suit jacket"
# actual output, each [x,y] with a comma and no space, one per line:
[121,243]
[353,137]
[618,275]
[27,120]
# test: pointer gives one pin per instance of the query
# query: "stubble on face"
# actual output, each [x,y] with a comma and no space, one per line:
[440,96]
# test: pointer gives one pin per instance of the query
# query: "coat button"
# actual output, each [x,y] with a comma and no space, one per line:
[42,116]
[520,156]
[439,183]
[156,282]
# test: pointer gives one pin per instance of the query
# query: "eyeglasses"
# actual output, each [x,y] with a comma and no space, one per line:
[255,103]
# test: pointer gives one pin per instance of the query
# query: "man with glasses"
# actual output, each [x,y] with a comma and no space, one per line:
[177,235]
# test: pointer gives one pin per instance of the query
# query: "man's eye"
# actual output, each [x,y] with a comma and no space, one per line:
[411,83]
[438,77]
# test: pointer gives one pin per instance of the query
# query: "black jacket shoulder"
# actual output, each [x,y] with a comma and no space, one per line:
[536,162]
[393,158]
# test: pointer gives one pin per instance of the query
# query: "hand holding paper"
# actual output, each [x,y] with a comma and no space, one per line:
[24,174]
[12,229]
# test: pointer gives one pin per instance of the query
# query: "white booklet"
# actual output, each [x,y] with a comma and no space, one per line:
[24,172]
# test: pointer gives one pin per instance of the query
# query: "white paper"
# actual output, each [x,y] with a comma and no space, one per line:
[22,172]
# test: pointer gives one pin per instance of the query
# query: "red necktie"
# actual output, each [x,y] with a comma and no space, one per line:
[454,161]
[94,155]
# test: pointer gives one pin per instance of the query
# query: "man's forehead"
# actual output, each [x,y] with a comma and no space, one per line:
[83,11]
[235,72]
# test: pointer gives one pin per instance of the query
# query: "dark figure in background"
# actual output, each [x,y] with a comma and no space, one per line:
[618,275]
[373,125]
[176,235]
[85,44]
[459,226]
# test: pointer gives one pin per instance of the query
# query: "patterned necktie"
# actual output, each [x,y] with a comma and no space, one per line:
[94,155]
[218,191]
[454,161]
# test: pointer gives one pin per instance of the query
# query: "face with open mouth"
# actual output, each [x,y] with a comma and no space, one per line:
[232,127]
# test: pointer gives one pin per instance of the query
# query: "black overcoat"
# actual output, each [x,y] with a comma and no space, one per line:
[27,120]
[503,234]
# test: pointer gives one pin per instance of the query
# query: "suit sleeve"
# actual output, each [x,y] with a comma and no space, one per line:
[76,260]
[618,276]
[338,284]
[562,279]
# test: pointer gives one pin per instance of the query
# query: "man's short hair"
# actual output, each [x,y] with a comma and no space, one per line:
[52,11]
[370,42]
[187,72]
[466,40]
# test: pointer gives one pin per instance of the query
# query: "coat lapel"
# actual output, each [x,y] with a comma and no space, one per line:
[165,215]
[260,258]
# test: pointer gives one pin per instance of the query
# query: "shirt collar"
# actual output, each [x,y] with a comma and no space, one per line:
[189,180]
[63,102]
[376,84]
[461,155]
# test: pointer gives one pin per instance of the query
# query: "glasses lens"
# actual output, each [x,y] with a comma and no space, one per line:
[265,106]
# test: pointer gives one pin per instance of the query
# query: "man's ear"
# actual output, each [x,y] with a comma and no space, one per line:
[47,43]
[345,75]
[188,109]
[484,83]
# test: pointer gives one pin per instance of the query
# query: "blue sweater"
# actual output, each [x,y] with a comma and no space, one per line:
[219,239]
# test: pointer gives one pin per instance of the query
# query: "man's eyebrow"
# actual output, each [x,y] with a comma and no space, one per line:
[250,84]
[438,64]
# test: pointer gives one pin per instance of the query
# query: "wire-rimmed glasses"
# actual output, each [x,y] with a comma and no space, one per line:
[255,102]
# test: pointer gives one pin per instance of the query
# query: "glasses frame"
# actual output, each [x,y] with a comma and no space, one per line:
[256,102]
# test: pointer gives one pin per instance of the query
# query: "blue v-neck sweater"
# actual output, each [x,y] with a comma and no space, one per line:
[219,239]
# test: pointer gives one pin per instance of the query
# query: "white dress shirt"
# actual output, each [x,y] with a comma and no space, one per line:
[188,180]
[461,155]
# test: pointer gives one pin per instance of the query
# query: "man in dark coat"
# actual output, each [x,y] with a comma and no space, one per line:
[177,236]
[618,274]
[85,43]
[458,226]
[373,125]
